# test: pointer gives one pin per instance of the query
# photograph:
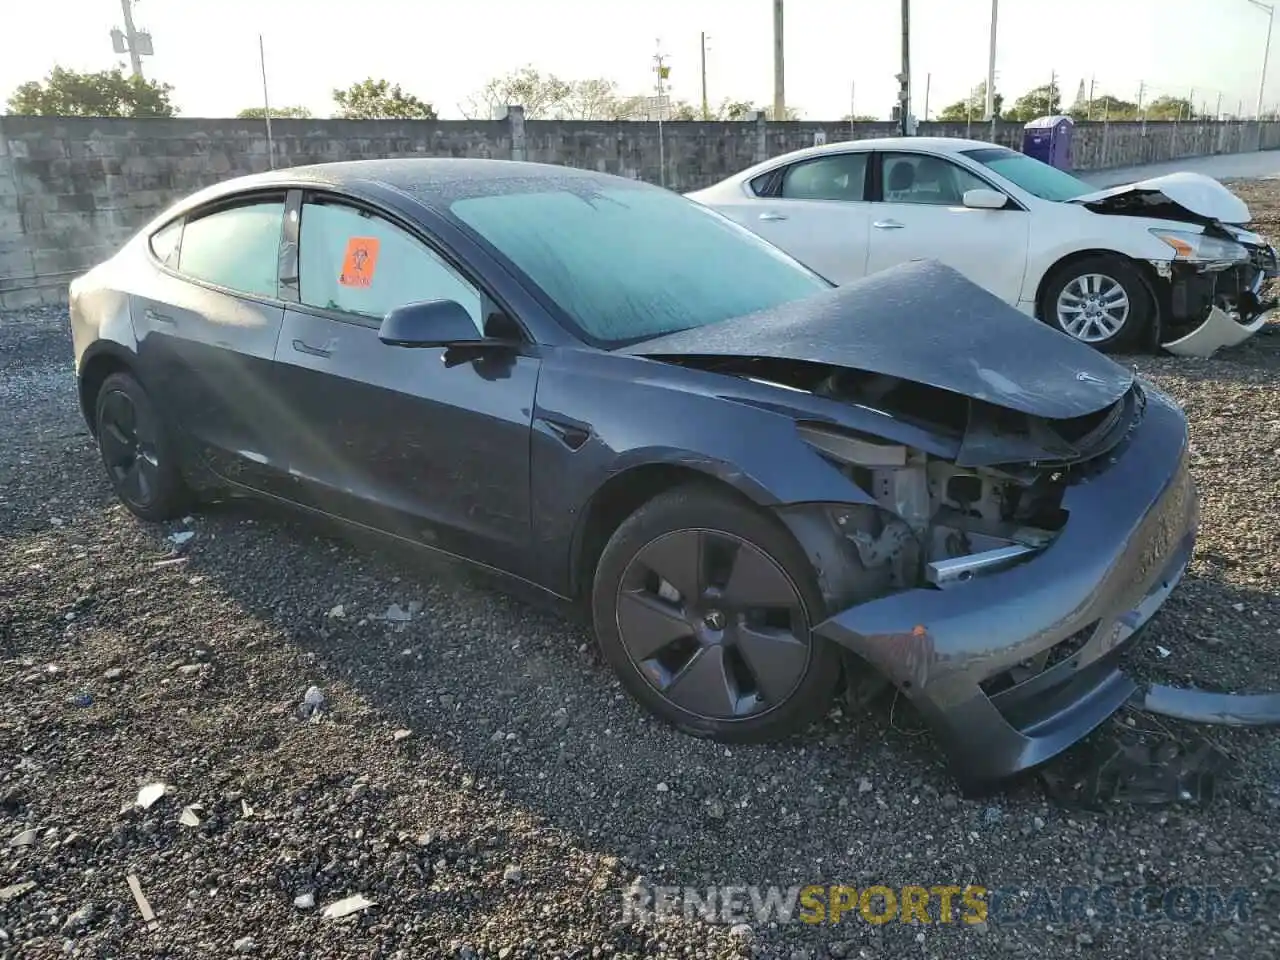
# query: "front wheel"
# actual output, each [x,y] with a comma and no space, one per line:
[1101,301]
[703,606]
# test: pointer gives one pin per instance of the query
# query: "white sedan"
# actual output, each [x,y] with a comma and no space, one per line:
[1160,261]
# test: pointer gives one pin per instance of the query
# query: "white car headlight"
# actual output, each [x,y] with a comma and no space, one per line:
[1197,248]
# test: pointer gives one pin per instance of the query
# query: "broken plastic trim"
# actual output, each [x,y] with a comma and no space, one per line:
[1204,706]
[1218,331]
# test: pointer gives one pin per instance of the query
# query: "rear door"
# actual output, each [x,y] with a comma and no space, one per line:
[814,209]
[207,316]
[920,215]
[431,445]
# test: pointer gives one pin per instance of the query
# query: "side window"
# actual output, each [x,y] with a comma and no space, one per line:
[356,262]
[837,177]
[164,243]
[917,178]
[235,247]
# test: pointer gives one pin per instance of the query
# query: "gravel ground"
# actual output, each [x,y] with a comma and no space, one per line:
[479,776]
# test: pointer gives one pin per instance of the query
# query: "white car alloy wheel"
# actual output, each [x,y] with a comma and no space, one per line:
[1093,307]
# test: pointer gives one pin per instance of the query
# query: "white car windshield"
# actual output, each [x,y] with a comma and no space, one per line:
[1037,178]
[631,263]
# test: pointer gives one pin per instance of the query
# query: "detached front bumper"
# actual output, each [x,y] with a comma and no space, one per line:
[1012,668]
[1230,300]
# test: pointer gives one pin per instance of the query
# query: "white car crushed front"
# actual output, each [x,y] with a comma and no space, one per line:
[1163,261]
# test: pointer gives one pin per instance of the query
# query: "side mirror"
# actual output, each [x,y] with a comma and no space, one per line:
[429,323]
[983,199]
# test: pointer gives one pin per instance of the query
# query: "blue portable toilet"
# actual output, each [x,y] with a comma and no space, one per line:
[1049,139]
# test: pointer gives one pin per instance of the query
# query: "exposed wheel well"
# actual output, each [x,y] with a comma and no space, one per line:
[1145,270]
[617,499]
[91,378]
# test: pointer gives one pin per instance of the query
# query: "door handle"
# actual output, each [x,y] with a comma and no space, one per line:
[888,225]
[326,351]
[154,316]
[770,215]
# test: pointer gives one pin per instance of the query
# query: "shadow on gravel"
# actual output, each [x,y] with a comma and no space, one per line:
[515,690]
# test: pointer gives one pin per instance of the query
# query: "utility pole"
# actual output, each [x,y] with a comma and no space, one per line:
[928,82]
[991,68]
[904,78]
[137,43]
[131,35]
[706,109]
[1089,113]
[1217,111]
[663,71]
[1266,50]
[779,68]
[1191,105]
[853,91]
[266,104]
[1053,83]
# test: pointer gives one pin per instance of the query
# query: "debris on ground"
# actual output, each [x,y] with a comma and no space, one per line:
[344,908]
[181,537]
[149,794]
[1139,768]
[313,704]
[144,906]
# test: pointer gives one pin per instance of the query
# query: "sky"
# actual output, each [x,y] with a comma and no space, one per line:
[836,51]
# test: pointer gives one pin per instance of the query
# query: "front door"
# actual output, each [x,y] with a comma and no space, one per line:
[431,445]
[921,216]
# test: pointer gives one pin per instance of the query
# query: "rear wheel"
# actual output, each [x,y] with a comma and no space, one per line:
[136,450]
[703,606]
[1101,301]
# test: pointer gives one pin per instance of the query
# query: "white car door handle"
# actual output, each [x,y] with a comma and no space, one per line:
[888,225]
[769,215]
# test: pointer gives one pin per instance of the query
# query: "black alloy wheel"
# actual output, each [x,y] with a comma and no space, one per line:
[713,624]
[707,621]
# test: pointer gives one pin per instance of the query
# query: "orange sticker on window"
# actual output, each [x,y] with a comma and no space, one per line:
[360,262]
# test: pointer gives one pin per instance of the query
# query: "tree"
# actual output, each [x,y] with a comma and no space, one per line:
[107,93]
[543,97]
[859,118]
[277,113]
[1037,102]
[1106,107]
[380,100]
[972,107]
[1171,108]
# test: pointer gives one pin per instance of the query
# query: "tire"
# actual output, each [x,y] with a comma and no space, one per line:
[1119,283]
[739,662]
[138,451]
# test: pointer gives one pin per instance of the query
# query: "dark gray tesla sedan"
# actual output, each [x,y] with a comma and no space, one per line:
[760,487]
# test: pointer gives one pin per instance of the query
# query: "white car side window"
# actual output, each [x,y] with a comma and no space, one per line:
[920,178]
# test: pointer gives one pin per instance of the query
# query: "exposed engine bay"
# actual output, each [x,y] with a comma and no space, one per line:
[942,521]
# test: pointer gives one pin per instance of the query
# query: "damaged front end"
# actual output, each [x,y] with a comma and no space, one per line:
[1215,288]
[1213,280]
[1018,506]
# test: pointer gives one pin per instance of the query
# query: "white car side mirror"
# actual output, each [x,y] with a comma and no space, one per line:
[983,199]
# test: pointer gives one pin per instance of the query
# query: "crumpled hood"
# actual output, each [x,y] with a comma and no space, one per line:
[1201,196]
[921,322]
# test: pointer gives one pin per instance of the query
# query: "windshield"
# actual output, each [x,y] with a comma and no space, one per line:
[1038,179]
[630,263]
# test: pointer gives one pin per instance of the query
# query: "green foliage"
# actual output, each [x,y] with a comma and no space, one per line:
[277,113]
[107,93]
[380,100]
[972,107]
